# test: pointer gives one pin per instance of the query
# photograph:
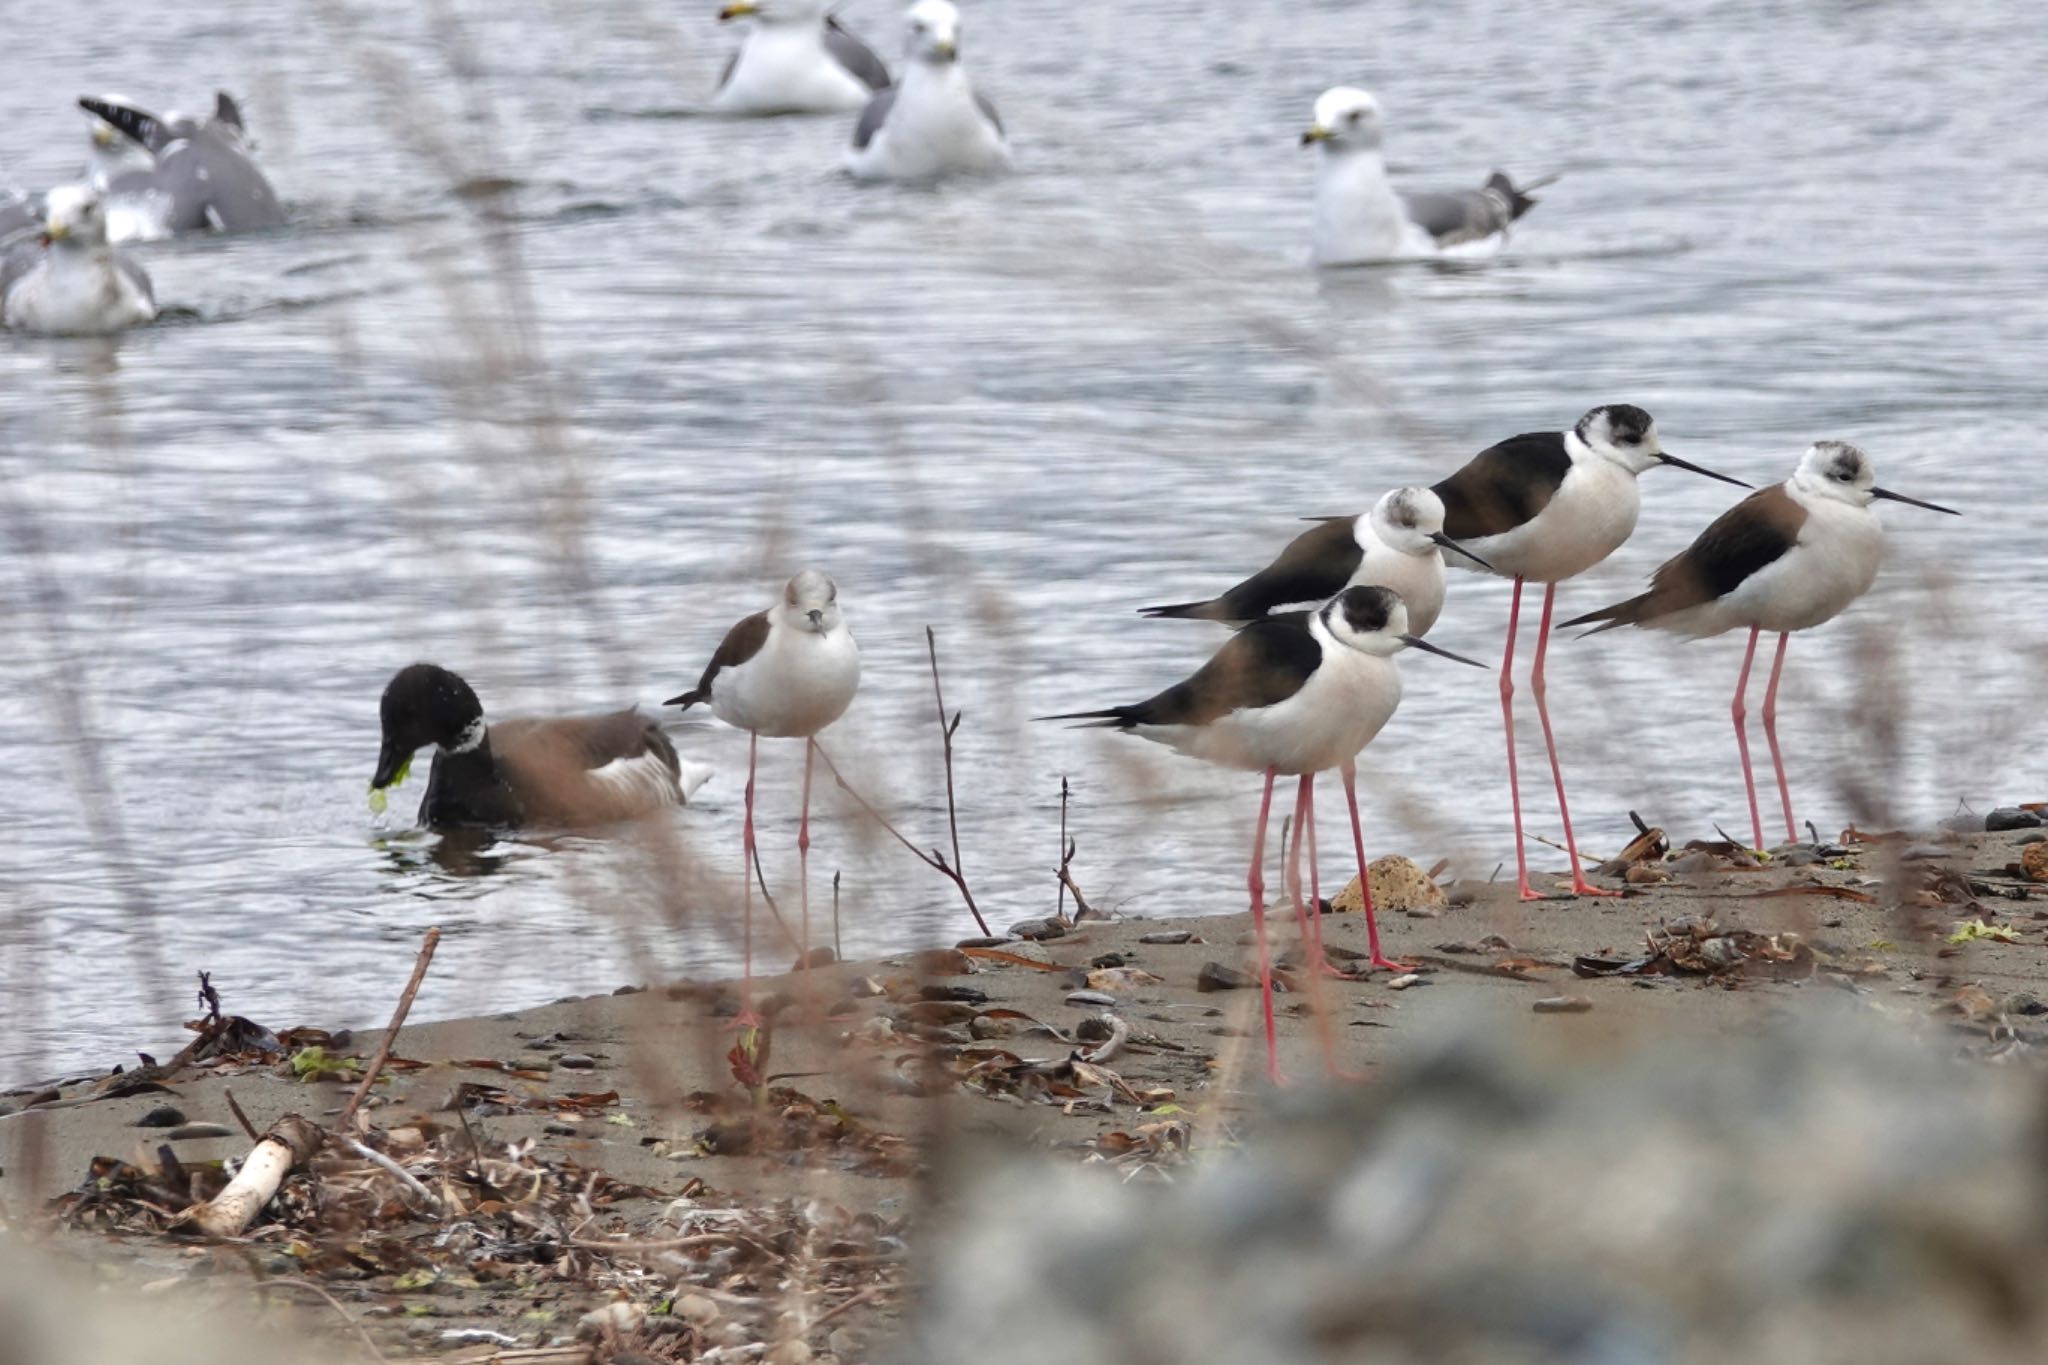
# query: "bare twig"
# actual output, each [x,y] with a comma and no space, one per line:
[240,1117]
[774,910]
[864,1296]
[1059,906]
[838,953]
[1082,909]
[934,859]
[383,1053]
[405,1177]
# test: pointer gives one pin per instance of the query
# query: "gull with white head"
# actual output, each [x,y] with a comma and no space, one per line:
[71,282]
[798,59]
[1788,557]
[1360,219]
[203,178]
[932,122]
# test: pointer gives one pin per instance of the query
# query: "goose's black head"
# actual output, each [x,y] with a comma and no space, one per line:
[425,704]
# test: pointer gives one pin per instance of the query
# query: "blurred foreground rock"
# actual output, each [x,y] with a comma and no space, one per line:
[55,1311]
[1830,1190]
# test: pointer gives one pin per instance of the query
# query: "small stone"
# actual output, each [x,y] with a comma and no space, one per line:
[821,956]
[988,941]
[1405,980]
[1107,960]
[576,1061]
[2011,817]
[795,1351]
[940,1013]
[630,990]
[163,1116]
[1034,930]
[1645,874]
[1459,949]
[696,1310]
[1397,884]
[1562,1004]
[1214,976]
[1094,1029]
[1920,853]
[2034,862]
[1165,936]
[1091,1000]
[944,961]
[195,1132]
[1799,857]
[982,1027]
[965,994]
[621,1318]
[847,1344]
[557,1128]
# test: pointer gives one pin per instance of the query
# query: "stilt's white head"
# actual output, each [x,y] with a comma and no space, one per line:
[1410,520]
[75,216]
[1347,119]
[810,601]
[1622,433]
[932,32]
[1375,621]
[1836,471]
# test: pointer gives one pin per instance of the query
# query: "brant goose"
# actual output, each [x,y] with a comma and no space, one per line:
[543,770]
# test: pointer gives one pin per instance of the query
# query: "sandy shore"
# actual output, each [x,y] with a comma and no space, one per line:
[918,1049]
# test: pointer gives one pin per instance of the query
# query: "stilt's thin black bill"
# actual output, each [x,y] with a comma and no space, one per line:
[1890,496]
[1447,543]
[1677,463]
[1417,642]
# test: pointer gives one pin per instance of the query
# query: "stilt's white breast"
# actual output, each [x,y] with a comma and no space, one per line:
[798,683]
[1591,515]
[1419,579]
[1834,562]
[1337,712]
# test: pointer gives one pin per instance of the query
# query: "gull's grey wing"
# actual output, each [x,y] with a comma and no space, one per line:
[213,183]
[855,55]
[225,110]
[135,124]
[137,276]
[873,117]
[1457,216]
[988,111]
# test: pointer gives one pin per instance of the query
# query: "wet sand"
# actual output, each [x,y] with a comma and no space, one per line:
[882,1042]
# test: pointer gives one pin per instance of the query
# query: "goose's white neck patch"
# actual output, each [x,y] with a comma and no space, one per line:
[471,739]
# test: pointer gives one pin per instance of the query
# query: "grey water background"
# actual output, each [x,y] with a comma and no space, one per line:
[557,433]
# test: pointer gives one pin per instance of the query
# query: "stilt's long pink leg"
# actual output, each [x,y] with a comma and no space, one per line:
[1372,928]
[1507,716]
[1304,916]
[1740,713]
[746,1018]
[1256,882]
[803,865]
[1771,737]
[1536,689]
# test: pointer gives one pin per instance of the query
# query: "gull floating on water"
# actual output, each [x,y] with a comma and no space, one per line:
[1361,219]
[200,177]
[797,60]
[71,282]
[931,123]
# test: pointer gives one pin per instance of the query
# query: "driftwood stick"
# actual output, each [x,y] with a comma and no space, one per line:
[290,1141]
[383,1053]
[240,1117]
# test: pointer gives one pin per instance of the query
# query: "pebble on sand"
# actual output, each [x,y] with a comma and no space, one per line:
[1398,883]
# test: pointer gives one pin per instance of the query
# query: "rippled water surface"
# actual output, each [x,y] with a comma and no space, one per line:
[557,435]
